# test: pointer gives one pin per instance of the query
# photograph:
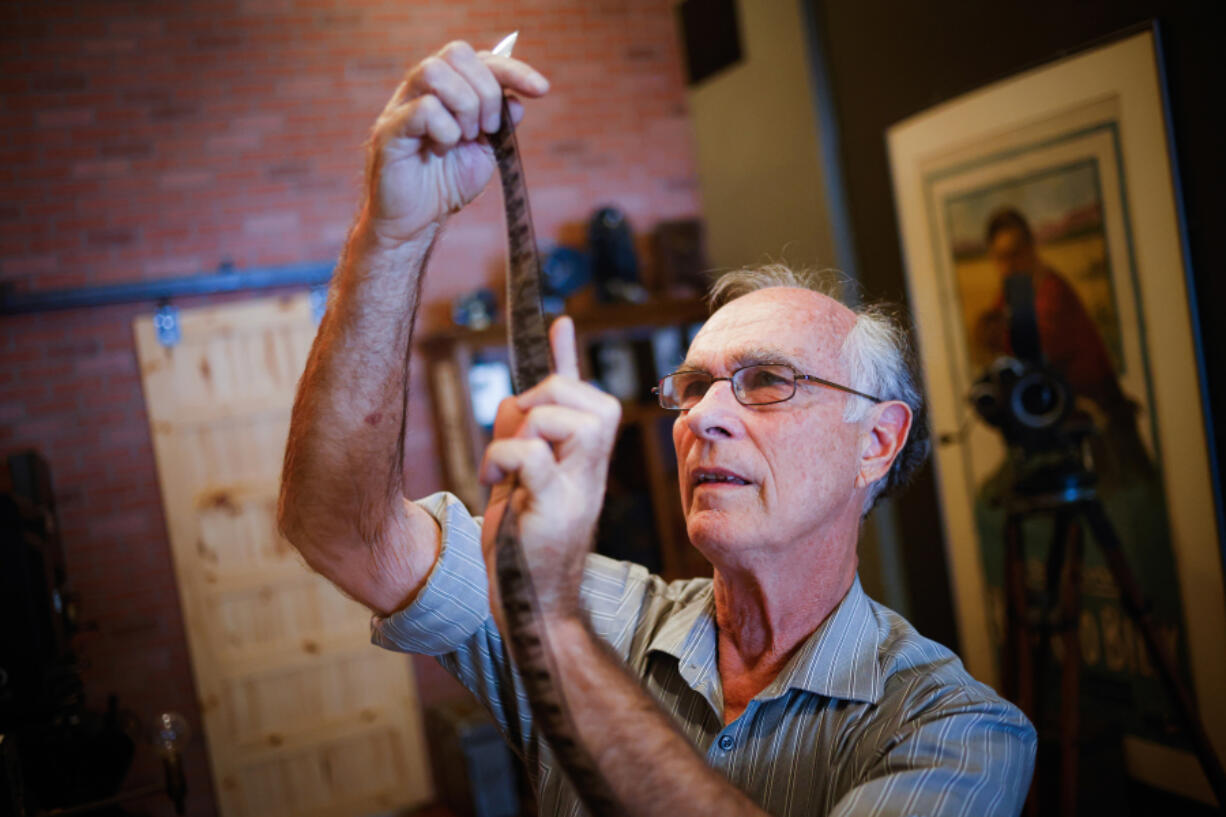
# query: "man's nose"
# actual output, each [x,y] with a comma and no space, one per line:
[717,415]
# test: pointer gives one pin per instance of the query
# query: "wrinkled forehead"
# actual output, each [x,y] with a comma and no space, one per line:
[791,325]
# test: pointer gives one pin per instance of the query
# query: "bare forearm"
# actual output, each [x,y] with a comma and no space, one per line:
[342,482]
[650,766]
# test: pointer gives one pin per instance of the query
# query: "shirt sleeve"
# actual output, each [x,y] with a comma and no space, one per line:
[454,603]
[966,754]
[450,619]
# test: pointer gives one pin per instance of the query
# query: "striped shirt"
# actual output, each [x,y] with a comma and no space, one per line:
[867,718]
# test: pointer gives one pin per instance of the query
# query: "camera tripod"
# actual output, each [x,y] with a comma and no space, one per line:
[1068,493]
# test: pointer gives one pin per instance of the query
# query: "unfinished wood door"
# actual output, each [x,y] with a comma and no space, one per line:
[302,715]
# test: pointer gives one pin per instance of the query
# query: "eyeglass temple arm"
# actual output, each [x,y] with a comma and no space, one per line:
[833,385]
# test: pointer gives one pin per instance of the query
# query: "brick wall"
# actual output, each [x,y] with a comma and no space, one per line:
[144,140]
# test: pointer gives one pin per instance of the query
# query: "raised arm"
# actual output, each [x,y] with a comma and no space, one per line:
[342,500]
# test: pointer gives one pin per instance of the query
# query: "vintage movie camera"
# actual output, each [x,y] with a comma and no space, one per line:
[1031,404]
[1022,396]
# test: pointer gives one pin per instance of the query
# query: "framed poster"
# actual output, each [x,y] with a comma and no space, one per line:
[1062,176]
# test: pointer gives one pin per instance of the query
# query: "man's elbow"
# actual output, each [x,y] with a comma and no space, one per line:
[290,506]
[294,525]
[287,508]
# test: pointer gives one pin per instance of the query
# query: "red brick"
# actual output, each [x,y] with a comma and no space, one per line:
[104,168]
[64,117]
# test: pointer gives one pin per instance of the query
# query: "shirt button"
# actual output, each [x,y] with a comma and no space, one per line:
[726,742]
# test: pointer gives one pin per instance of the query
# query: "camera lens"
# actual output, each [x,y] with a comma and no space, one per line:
[1038,402]
[1038,398]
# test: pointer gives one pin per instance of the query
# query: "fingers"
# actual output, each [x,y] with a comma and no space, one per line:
[580,439]
[565,388]
[574,394]
[517,110]
[508,418]
[578,431]
[515,75]
[460,94]
[562,341]
[470,86]
[531,460]
[485,87]
[426,117]
[549,436]
[555,391]
[564,418]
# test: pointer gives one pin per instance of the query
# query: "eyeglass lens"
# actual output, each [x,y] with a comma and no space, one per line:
[752,385]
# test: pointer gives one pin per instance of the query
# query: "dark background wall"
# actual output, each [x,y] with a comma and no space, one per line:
[889,60]
[148,140]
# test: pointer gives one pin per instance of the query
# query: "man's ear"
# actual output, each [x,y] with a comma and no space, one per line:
[883,433]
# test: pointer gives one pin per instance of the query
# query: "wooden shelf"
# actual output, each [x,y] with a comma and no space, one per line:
[616,318]
[641,519]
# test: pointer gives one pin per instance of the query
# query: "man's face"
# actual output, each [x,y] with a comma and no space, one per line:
[757,480]
[1013,253]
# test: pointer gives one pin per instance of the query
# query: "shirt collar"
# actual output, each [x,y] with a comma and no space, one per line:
[839,660]
[689,636]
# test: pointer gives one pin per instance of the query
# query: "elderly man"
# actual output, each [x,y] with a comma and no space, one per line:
[775,687]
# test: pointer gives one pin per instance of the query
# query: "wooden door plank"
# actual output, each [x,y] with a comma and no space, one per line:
[301,714]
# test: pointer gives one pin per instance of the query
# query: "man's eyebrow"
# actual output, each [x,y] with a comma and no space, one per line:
[749,356]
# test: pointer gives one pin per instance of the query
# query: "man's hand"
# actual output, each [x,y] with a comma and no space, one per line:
[428,153]
[555,441]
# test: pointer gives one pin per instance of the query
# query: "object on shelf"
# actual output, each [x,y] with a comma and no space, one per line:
[679,258]
[489,383]
[475,310]
[564,272]
[615,369]
[614,262]
[668,347]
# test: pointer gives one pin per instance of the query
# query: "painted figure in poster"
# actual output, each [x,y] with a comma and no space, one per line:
[1071,342]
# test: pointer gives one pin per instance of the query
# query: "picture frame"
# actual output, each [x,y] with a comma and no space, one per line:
[1079,147]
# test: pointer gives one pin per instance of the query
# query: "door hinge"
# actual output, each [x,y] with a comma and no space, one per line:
[166,324]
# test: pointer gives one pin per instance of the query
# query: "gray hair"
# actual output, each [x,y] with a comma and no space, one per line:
[877,353]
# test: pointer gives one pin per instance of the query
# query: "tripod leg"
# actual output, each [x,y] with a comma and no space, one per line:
[1018,675]
[1051,592]
[1070,679]
[1019,672]
[1138,610]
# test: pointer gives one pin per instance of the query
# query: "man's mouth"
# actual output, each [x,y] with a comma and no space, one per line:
[717,476]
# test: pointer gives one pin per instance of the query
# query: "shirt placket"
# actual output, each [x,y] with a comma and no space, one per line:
[728,746]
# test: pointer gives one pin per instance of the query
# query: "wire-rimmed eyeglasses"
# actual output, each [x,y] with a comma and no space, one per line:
[756,385]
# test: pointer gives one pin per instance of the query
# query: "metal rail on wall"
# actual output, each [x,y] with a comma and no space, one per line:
[227,279]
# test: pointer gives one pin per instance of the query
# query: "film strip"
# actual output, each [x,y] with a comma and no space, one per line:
[528,344]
